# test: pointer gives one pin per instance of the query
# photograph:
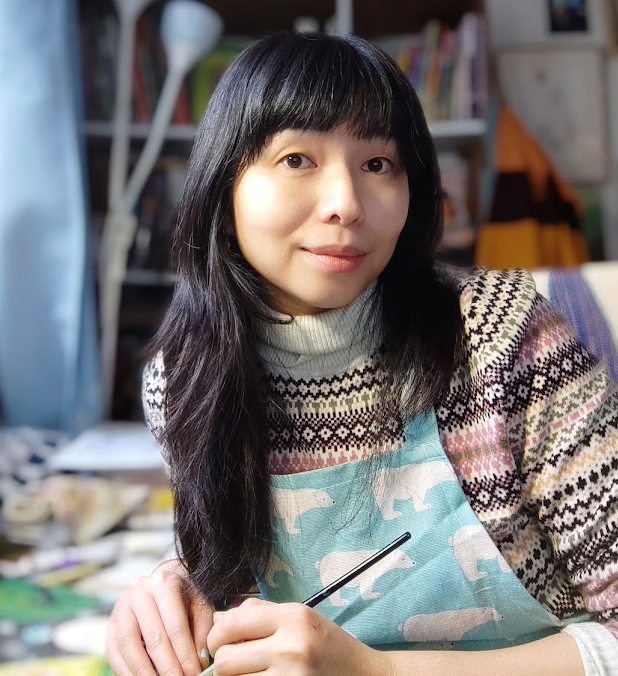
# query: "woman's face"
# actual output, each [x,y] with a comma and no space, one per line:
[318,215]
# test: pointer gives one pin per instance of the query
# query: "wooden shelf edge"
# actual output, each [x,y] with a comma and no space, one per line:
[138,130]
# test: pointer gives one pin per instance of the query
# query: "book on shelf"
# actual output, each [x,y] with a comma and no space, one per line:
[99,45]
[155,213]
[448,68]
[150,68]
[208,72]
[142,109]
[149,254]
[455,186]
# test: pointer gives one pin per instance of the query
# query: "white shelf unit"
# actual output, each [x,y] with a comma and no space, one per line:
[441,130]
[456,130]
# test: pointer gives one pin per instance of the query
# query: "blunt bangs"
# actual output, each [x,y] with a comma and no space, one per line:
[317,83]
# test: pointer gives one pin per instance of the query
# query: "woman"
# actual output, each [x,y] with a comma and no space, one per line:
[319,385]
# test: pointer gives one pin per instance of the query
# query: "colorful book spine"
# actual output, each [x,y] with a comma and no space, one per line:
[448,68]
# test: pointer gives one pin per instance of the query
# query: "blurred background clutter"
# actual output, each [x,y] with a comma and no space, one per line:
[100,105]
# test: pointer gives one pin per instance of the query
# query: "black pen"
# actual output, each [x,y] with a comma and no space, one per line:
[350,575]
[343,580]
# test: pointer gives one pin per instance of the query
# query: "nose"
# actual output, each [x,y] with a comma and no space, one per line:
[340,199]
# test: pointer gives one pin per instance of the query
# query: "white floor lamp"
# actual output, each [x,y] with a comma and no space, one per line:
[189,30]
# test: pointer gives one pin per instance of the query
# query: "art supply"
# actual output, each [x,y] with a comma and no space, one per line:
[361,568]
[81,635]
[343,580]
[75,665]
[23,602]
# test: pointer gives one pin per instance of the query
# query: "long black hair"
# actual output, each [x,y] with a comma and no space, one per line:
[215,436]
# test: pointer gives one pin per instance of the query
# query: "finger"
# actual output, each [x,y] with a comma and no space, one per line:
[242,658]
[115,661]
[172,609]
[127,649]
[156,641]
[252,620]
[118,665]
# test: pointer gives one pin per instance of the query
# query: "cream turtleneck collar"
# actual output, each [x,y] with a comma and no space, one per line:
[318,345]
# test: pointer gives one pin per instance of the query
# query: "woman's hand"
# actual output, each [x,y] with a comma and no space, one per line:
[158,626]
[288,639]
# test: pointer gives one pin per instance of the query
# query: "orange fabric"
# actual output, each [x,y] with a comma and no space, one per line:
[527,242]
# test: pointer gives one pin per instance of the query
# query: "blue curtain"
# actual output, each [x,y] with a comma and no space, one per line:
[48,353]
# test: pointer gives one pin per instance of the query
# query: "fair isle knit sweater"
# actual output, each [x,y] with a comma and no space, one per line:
[530,425]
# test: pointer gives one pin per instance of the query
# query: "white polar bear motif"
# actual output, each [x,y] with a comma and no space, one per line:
[472,544]
[289,504]
[276,565]
[410,482]
[449,625]
[335,564]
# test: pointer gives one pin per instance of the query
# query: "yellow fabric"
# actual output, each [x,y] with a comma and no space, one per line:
[526,244]
[58,666]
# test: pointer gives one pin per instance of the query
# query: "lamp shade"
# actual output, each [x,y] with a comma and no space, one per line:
[189,30]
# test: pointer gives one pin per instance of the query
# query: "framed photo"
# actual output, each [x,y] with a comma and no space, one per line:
[585,23]
[559,94]
[568,16]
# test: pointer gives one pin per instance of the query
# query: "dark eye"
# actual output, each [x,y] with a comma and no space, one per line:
[293,161]
[377,165]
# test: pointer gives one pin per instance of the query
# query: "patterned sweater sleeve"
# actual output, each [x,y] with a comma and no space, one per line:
[154,384]
[562,423]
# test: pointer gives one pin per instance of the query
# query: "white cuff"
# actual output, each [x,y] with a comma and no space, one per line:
[598,648]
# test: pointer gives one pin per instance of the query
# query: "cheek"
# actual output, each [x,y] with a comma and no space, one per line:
[393,208]
[254,199]
[264,210]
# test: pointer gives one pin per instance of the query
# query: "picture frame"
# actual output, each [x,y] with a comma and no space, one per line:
[559,94]
[568,16]
[529,22]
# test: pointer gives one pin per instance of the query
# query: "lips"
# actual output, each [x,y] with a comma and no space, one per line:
[337,258]
[336,250]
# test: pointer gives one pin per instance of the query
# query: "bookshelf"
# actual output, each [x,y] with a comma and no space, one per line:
[393,24]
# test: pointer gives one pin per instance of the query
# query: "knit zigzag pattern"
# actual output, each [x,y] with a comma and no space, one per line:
[531,427]
[319,422]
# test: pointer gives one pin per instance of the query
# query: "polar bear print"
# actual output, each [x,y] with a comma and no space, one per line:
[448,625]
[335,564]
[276,565]
[289,504]
[472,544]
[410,482]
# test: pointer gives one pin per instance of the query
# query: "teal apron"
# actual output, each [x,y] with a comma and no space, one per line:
[446,587]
